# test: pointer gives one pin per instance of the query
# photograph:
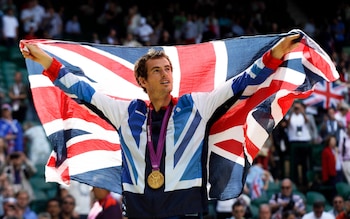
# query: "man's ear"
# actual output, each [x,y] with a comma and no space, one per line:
[142,81]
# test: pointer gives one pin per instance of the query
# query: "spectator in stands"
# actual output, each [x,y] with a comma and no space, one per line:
[332,172]
[344,152]
[73,28]
[345,213]
[18,171]
[11,210]
[280,151]
[95,210]
[95,38]
[166,39]
[223,208]
[131,41]
[265,211]
[337,205]
[18,94]
[338,33]
[299,135]
[23,203]
[342,112]
[3,157]
[31,16]
[311,114]
[110,16]
[38,147]
[67,208]
[31,34]
[52,23]
[143,32]
[10,25]
[286,200]
[111,208]
[330,125]
[310,27]
[258,180]
[133,18]
[289,215]
[318,211]
[191,30]
[44,215]
[53,207]
[238,210]
[82,195]
[10,4]
[112,38]
[297,124]
[11,130]
[2,94]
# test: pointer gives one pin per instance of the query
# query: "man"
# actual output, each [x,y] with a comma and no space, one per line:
[285,200]
[18,171]
[265,211]
[344,151]
[18,94]
[67,208]
[53,207]
[337,205]
[23,203]
[318,212]
[345,213]
[11,130]
[111,208]
[238,210]
[164,168]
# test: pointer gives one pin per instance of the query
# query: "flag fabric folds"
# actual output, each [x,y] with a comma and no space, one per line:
[86,146]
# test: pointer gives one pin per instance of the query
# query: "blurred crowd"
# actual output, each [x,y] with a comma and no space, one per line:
[24,147]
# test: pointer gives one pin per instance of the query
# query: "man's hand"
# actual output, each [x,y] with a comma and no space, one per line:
[284,46]
[33,52]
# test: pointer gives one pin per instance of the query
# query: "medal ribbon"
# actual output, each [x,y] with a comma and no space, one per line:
[156,156]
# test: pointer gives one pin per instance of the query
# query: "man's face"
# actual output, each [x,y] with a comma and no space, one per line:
[238,212]
[338,203]
[53,208]
[160,78]
[286,189]
[265,213]
[22,200]
[318,211]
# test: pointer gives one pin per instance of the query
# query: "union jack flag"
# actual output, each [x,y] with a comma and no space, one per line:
[327,94]
[86,147]
[257,187]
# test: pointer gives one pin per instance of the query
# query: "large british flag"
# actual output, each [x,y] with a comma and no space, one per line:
[86,147]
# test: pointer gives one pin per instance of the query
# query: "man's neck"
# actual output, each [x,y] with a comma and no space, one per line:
[158,103]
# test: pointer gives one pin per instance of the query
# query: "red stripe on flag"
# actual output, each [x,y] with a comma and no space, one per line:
[317,60]
[91,145]
[65,176]
[231,146]
[237,115]
[119,69]
[63,108]
[197,64]
[51,162]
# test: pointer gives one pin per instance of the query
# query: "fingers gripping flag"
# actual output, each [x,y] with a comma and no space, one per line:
[86,146]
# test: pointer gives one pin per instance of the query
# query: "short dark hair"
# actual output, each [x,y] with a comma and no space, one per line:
[140,68]
[318,204]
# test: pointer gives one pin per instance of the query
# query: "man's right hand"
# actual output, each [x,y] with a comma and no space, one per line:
[33,52]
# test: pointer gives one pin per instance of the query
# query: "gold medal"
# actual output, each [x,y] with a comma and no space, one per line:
[155,179]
